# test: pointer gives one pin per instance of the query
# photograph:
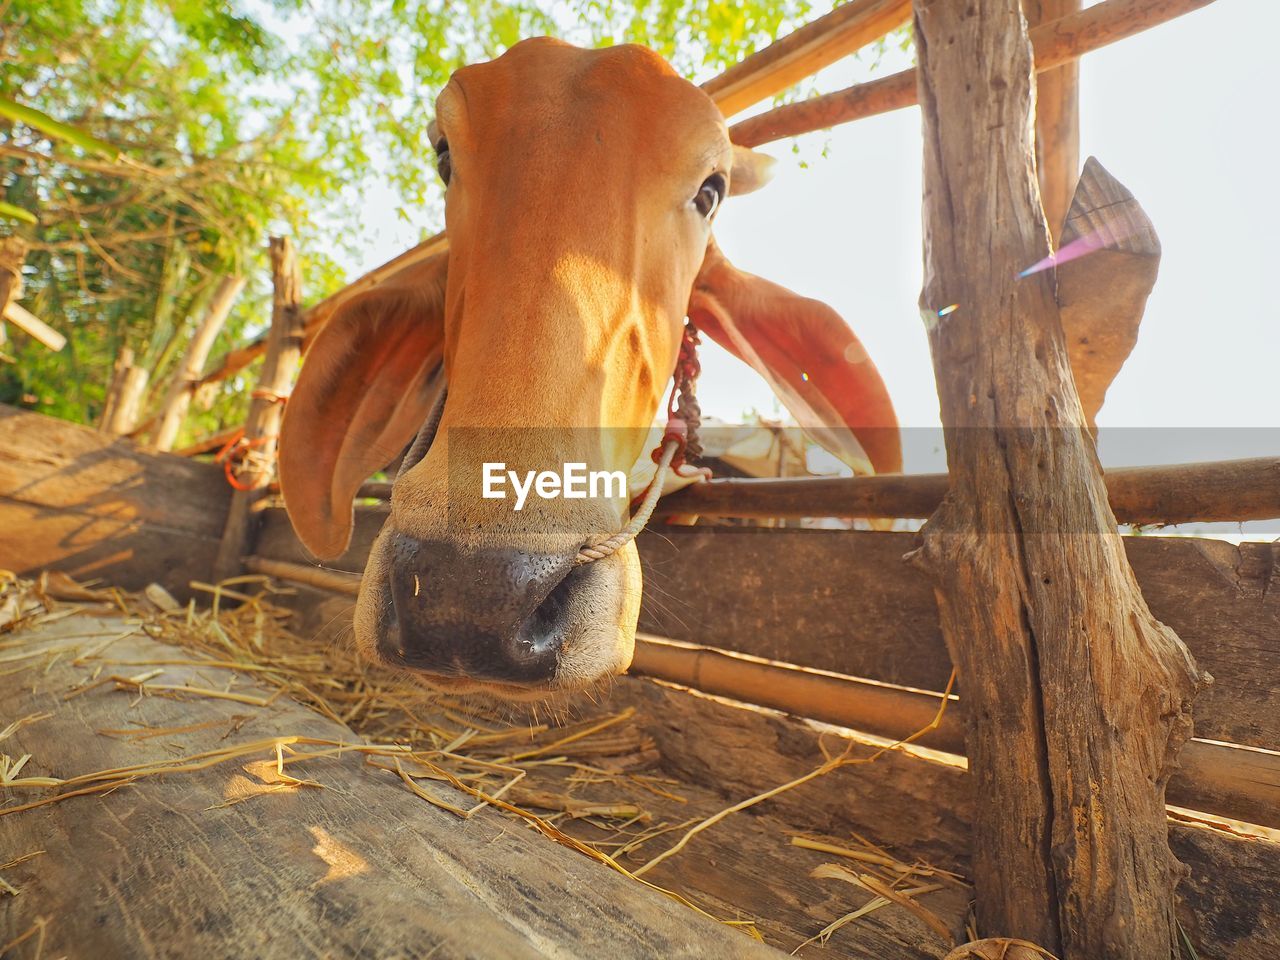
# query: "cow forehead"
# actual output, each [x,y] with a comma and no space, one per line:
[553,88]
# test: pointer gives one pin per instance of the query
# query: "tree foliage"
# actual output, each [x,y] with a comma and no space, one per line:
[230,121]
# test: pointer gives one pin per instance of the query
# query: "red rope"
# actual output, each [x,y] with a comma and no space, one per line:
[229,455]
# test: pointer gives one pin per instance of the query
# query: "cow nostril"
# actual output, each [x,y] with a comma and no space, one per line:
[543,631]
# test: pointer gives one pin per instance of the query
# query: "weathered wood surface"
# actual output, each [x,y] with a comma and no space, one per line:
[76,500]
[123,407]
[805,51]
[1239,783]
[1229,490]
[266,407]
[181,388]
[1057,119]
[916,806]
[164,868]
[1229,905]
[1103,295]
[844,601]
[1225,780]
[1056,43]
[1078,700]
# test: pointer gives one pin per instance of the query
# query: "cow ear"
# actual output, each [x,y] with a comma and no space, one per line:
[368,382]
[810,358]
[750,172]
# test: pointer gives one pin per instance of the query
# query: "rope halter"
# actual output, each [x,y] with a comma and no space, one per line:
[684,417]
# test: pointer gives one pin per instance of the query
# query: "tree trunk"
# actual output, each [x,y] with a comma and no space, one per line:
[184,380]
[1078,700]
[262,427]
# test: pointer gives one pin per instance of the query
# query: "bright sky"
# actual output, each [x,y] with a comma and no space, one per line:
[1184,115]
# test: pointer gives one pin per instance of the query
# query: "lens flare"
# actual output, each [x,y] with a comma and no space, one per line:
[1080,247]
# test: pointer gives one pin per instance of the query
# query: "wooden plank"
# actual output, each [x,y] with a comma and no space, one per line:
[1240,783]
[167,867]
[844,601]
[805,51]
[1102,296]
[1231,490]
[1056,43]
[917,806]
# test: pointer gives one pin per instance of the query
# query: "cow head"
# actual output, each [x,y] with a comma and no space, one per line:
[581,190]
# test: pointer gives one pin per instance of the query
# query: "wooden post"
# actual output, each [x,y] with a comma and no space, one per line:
[13,253]
[1057,119]
[184,380]
[123,404]
[1078,700]
[261,429]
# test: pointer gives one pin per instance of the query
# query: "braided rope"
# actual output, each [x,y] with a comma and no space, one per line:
[598,551]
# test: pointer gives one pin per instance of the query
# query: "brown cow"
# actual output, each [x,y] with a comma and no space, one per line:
[581,190]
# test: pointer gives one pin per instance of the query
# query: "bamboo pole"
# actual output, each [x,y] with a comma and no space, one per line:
[1079,699]
[33,326]
[1056,43]
[262,427]
[805,51]
[1224,491]
[182,387]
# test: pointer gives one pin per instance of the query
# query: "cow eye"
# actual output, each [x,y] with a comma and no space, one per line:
[443,165]
[709,196]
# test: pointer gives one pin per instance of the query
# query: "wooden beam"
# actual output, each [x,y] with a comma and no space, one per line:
[1103,294]
[1057,119]
[215,441]
[805,51]
[74,499]
[1056,43]
[266,409]
[1079,699]
[34,327]
[843,601]
[1223,491]
[181,388]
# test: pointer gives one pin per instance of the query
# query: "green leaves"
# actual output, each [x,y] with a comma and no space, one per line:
[55,129]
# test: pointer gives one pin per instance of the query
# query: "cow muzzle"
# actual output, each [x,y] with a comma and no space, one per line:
[495,615]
